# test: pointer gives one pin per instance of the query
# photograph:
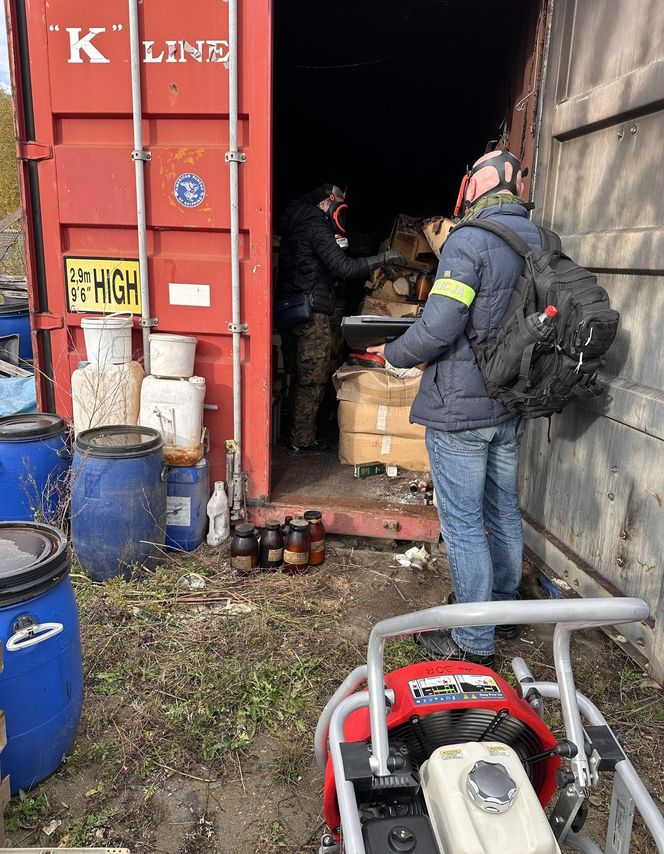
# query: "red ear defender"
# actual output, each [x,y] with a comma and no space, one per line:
[462,193]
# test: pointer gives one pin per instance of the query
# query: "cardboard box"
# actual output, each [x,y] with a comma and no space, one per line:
[437,231]
[410,454]
[383,308]
[375,386]
[377,418]
[408,238]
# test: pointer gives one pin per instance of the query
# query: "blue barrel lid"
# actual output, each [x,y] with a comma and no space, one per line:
[33,557]
[36,425]
[119,441]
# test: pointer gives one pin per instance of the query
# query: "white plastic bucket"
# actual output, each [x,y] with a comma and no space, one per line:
[108,338]
[172,355]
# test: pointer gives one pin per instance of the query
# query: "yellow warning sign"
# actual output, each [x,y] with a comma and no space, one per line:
[103,284]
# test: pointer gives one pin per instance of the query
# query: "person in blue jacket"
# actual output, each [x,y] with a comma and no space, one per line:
[472,439]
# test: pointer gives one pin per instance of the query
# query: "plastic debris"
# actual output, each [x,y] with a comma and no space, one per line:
[192,581]
[414,557]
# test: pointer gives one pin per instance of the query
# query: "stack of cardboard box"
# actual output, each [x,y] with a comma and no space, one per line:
[374,410]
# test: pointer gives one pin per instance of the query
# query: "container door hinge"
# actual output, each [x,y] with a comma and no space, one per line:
[235,157]
[141,155]
[149,322]
[44,321]
[32,150]
[238,327]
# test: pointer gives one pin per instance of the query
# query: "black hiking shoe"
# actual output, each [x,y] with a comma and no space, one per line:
[442,645]
[316,447]
[504,632]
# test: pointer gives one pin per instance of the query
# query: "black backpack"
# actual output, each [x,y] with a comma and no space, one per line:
[534,377]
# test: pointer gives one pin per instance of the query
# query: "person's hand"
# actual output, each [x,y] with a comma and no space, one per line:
[392,257]
[379,350]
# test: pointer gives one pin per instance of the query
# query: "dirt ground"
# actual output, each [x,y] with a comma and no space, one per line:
[200,704]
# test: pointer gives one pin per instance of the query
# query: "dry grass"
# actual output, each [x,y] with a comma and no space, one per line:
[212,696]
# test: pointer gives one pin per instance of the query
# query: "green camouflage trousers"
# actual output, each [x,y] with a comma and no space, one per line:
[307,360]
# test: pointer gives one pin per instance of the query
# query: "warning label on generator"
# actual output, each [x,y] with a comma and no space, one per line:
[103,284]
[454,688]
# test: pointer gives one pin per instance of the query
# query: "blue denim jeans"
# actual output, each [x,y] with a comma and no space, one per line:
[475,475]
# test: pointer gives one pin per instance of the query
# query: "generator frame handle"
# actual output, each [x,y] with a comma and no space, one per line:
[568,615]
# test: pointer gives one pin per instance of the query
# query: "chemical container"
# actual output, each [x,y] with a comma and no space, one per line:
[34,466]
[118,499]
[218,516]
[174,407]
[41,685]
[172,355]
[106,394]
[15,320]
[108,338]
[188,490]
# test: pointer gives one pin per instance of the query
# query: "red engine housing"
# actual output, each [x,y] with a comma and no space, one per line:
[435,695]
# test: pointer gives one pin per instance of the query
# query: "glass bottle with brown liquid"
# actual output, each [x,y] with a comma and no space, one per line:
[296,552]
[317,537]
[244,548]
[272,545]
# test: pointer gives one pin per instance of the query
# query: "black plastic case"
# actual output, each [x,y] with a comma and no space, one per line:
[367,331]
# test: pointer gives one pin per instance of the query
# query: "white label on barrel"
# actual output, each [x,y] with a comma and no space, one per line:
[381,418]
[385,445]
[178,511]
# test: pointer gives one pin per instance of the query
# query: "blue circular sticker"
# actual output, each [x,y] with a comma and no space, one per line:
[189,189]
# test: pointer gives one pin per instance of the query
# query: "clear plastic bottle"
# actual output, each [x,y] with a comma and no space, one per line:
[219,516]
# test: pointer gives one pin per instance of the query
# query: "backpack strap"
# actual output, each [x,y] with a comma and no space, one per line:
[550,240]
[513,240]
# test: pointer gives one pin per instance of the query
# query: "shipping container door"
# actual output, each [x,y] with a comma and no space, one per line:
[594,495]
[70,61]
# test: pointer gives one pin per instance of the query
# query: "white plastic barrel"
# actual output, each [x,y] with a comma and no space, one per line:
[108,338]
[172,355]
[106,395]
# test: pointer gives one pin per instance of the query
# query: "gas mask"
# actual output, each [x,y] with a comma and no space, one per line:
[494,180]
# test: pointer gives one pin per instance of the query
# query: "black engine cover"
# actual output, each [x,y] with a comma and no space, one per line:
[408,835]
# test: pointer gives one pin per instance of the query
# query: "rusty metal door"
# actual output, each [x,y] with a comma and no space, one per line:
[593,497]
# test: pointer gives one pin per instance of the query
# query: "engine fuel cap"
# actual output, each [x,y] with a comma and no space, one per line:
[490,786]
[401,840]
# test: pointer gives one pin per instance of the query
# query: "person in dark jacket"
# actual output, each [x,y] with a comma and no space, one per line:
[311,261]
[471,438]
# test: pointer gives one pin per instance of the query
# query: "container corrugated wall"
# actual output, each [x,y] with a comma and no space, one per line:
[594,496]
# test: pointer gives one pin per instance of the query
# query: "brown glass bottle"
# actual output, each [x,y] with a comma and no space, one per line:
[244,548]
[296,552]
[317,537]
[272,545]
[423,286]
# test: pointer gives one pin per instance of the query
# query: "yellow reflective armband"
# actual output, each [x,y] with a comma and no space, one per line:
[453,289]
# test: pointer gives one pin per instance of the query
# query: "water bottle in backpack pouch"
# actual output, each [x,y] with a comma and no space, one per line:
[537,369]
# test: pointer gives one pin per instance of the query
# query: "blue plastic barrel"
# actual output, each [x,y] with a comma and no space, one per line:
[15,320]
[34,467]
[41,684]
[118,499]
[186,507]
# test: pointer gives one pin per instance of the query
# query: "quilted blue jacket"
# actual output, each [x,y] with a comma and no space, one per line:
[476,276]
